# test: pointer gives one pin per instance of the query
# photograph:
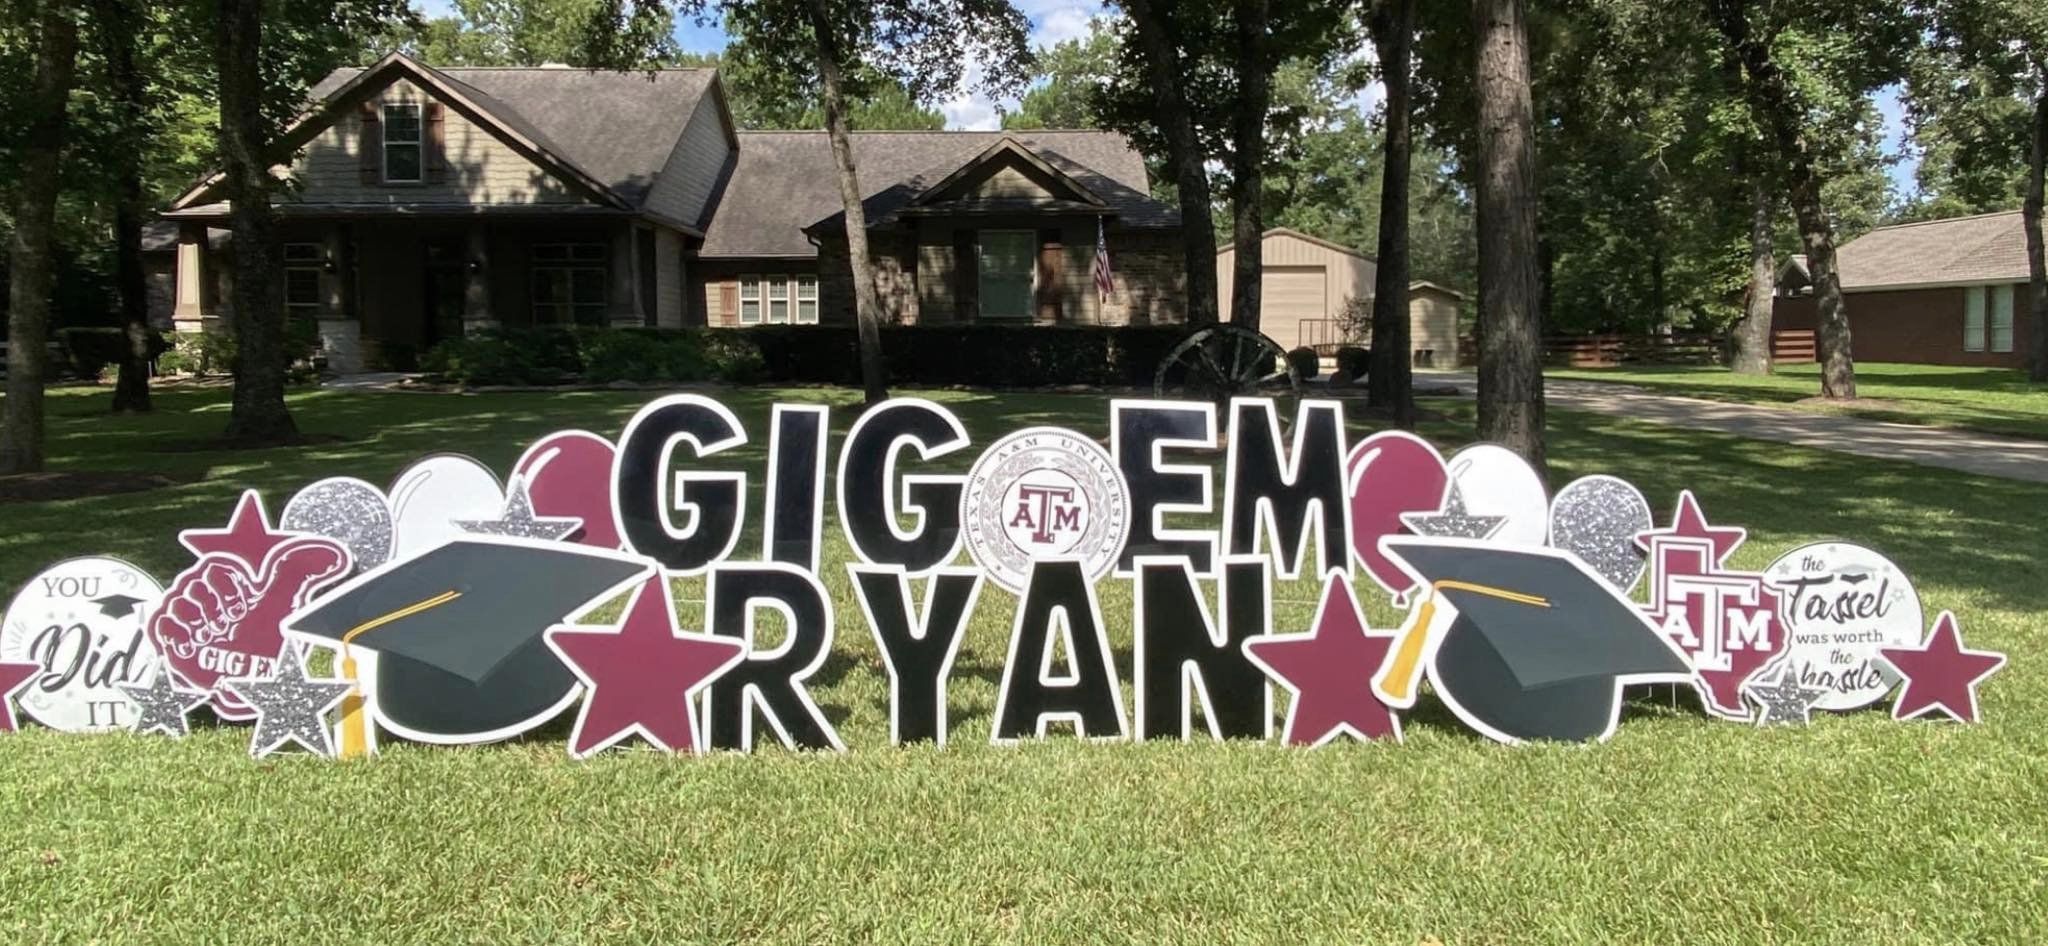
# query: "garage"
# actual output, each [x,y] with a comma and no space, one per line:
[1306,282]
[1290,296]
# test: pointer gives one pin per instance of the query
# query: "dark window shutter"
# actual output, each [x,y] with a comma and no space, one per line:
[370,145]
[966,276]
[1051,266]
[434,117]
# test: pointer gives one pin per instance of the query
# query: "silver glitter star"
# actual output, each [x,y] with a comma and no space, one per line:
[1784,700]
[519,521]
[291,707]
[161,704]
[1453,521]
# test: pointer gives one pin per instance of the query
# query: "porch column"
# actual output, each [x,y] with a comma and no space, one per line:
[193,311]
[627,309]
[341,336]
[476,286]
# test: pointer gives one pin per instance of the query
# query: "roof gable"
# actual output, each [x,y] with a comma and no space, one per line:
[606,134]
[983,177]
[783,182]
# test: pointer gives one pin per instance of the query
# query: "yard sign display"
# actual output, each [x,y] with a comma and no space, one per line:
[461,608]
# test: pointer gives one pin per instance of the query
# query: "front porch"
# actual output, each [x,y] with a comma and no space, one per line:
[383,289]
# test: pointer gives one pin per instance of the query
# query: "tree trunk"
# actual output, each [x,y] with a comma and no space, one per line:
[1752,335]
[2030,215]
[1510,329]
[1184,154]
[258,414]
[35,218]
[120,32]
[867,304]
[1390,377]
[1248,164]
[1771,105]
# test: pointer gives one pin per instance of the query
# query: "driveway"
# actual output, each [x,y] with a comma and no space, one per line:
[1983,454]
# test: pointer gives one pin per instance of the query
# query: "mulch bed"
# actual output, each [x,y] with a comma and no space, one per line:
[45,487]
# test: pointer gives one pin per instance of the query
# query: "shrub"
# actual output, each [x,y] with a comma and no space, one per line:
[202,353]
[1305,363]
[981,355]
[91,351]
[1352,362]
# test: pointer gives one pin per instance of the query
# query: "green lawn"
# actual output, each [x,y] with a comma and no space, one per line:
[1993,400]
[1681,829]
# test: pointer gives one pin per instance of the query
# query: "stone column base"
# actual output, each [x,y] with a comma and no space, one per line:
[626,320]
[471,326]
[342,340]
[198,323]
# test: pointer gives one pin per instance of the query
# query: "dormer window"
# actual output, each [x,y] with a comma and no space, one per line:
[403,158]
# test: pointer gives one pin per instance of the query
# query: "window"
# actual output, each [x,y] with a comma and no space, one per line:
[569,284]
[2001,318]
[1973,318]
[402,152]
[807,300]
[750,300]
[1007,268]
[776,299]
[303,263]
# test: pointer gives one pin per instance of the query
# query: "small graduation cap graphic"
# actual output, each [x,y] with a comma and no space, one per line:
[456,636]
[1523,642]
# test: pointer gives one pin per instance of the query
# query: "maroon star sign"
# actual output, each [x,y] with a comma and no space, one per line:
[1329,672]
[248,535]
[643,675]
[14,678]
[1941,676]
[1689,523]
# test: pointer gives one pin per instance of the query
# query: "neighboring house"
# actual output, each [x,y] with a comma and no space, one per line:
[427,202]
[1942,292]
[1306,282]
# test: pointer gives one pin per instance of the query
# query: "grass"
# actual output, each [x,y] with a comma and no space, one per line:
[1681,829]
[1990,400]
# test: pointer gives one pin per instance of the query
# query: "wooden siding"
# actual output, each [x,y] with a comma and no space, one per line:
[694,167]
[482,169]
[1915,326]
[1433,327]
[669,280]
[1345,275]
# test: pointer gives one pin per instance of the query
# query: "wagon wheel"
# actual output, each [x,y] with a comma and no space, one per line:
[1220,362]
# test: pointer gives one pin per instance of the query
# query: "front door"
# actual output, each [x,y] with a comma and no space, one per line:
[446,283]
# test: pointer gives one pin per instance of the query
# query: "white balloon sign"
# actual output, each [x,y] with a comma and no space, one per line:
[80,621]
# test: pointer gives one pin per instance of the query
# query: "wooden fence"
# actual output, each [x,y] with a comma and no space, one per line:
[1615,350]
[1794,345]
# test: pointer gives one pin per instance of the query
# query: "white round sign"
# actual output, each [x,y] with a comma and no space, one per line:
[1496,481]
[432,495]
[1840,604]
[81,622]
[1040,493]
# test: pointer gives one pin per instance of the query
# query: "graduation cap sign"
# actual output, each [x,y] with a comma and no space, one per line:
[1521,642]
[448,646]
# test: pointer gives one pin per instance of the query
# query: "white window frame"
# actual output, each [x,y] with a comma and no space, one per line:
[806,294]
[1999,322]
[304,257]
[751,294]
[1030,238]
[568,258]
[777,299]
[1976,319]
[418,142]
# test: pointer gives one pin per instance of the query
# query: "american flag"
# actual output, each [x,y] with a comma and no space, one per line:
[1105,281]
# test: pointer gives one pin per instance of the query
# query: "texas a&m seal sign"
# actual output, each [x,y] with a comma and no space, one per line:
[465,605]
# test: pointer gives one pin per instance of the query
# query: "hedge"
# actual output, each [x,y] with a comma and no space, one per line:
[975,355]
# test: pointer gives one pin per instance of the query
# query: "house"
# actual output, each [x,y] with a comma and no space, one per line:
[1942,292]
[1306,283]
[424,203]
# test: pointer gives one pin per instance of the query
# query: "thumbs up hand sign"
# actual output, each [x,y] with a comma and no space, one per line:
[221,618]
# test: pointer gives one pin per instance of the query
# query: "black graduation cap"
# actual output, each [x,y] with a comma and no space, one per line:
[458,630]
[117,606]
[1540,647]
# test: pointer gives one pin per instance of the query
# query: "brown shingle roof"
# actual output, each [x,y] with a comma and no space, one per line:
[784,180]
[616,127]
[1984,248]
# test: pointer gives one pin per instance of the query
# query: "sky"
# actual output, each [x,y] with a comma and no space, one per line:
[1055,20]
